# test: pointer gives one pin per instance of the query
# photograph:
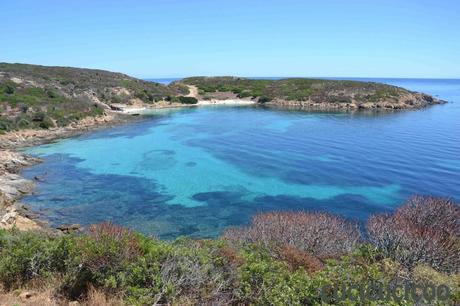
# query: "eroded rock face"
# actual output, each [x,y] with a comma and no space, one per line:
[12,188]
[12,218]
[13,162]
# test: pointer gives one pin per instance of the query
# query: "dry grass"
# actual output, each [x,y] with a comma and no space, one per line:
[47,297]
[99,298]
[29,298]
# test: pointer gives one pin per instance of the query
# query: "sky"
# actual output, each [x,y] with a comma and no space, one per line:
[177,38]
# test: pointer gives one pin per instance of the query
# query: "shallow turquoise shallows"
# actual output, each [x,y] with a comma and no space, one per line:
[197,171]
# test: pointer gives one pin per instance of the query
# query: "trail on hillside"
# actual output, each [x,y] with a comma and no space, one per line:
[193,91]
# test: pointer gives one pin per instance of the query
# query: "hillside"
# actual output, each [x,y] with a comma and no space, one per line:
[319,93]
[34,96]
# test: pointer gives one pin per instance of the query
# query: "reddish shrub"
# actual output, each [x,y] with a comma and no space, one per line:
[109,245]
[231,254]
[424,230]
[296,259]
[320,234]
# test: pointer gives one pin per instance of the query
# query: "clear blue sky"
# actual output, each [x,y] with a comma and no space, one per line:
[169,38]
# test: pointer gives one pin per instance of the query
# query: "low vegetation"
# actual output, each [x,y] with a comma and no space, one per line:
[279,259]
[41,97]
[34,96]
[300,89]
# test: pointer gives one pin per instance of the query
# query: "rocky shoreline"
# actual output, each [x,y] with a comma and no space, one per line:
[12,187]
[13,213]
[408,102]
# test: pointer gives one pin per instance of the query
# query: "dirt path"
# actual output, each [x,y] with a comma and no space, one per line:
[193,91]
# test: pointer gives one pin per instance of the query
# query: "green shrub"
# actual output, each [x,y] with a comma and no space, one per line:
[244,94]
[25,256]
[51,93]
[265,281]
[188,100]
[8,87]
[264,100]
[5,124]
[46,123]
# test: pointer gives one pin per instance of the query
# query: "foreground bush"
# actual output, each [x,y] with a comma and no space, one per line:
[320,234]
[280,259]
[26,256]
[425,230]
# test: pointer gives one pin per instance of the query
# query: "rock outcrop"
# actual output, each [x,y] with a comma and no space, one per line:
[13,214]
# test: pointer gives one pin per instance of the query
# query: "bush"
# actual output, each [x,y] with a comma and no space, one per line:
[266,281]
[264,100]
[320,234]
[194,269]
[51,93]
[296,259]
[46,123]
[25,256]
[9,89]
[425,230]
[244,94]
[108,247]
[188,100]
[97,258]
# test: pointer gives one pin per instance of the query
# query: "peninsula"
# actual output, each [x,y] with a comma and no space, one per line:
[40,97]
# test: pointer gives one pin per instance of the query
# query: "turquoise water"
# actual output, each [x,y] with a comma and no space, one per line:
[197,171]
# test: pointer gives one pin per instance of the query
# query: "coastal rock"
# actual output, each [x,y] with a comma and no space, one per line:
[31,137]
[13,219]
[4,201]
[13,186]
[13,162]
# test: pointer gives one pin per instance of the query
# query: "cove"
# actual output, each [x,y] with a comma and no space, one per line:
[198,171]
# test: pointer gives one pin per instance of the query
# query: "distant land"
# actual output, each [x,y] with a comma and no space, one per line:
[41,97]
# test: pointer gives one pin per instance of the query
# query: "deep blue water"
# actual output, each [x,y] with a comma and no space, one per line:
[164,81]
[197,171]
